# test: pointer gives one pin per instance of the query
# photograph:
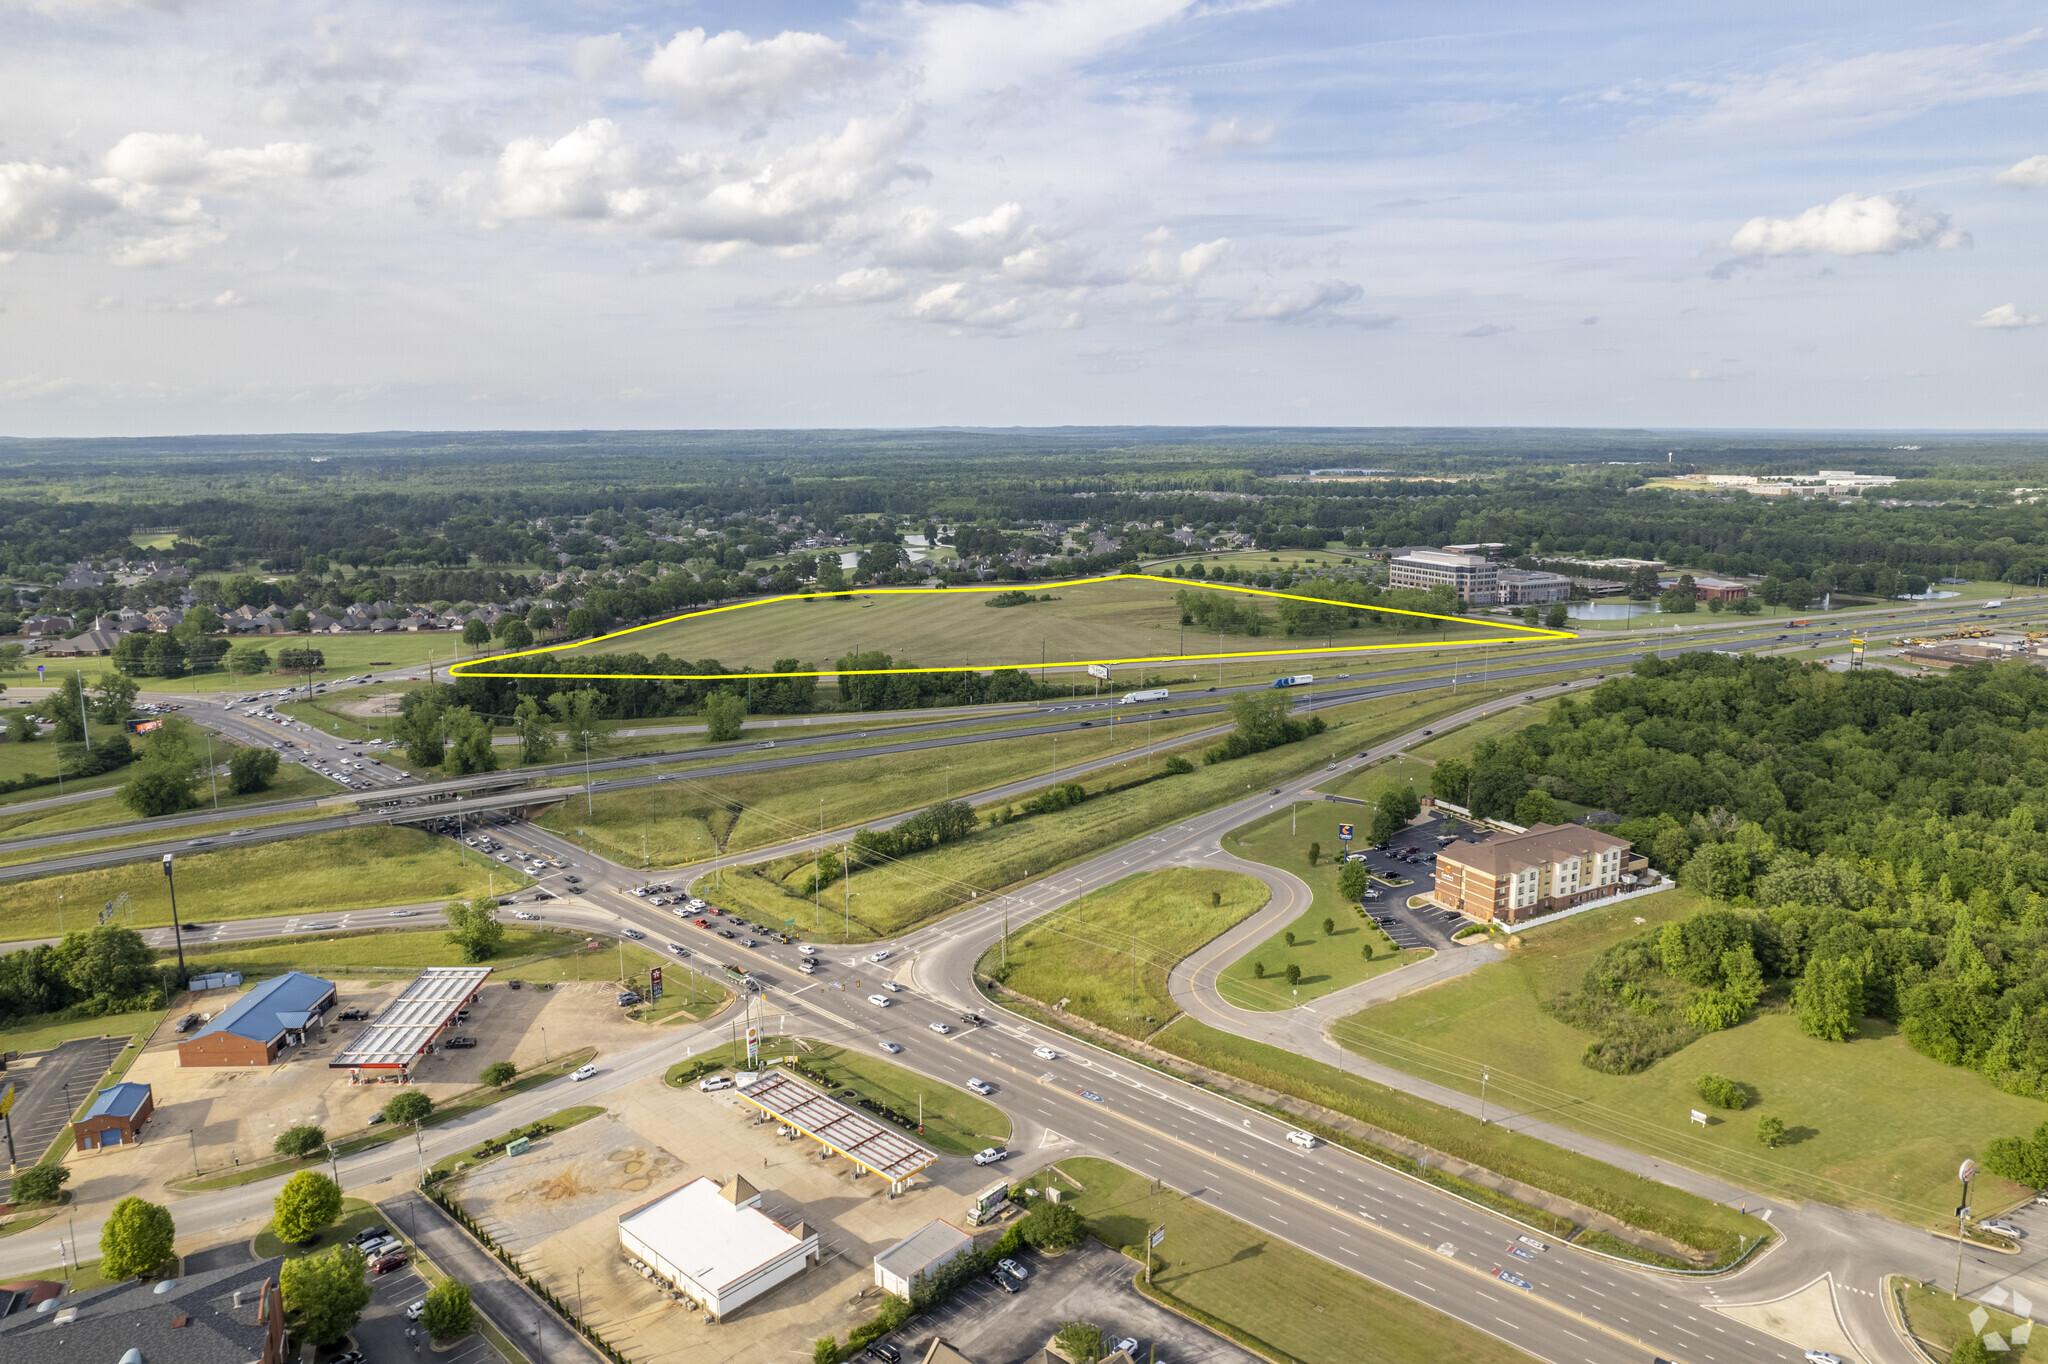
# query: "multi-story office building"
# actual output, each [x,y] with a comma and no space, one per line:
[1472,577]
[1509,878]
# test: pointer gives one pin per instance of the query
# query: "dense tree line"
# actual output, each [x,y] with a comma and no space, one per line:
[90,973]
[1879,839]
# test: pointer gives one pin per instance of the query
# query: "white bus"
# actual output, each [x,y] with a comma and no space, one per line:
[1131,698]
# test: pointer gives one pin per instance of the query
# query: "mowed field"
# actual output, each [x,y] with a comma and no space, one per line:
[1124,617]
[1871,1123]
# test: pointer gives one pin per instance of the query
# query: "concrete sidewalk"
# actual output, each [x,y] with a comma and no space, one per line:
[530,1324]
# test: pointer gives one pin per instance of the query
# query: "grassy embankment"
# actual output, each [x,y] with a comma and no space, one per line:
[323,873]
[1872,1123]
[39,759]
[688,819]
[561,1122]
[1110,953]
[1328,961]
[1937,1321]
[293,782]
[1273,1297]
[889,899]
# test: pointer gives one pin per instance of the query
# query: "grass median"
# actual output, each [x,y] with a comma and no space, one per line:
[1109,954]
[322,873]
[1687,1218]
[690,818]
[894,897]
[1938,1322]
[1273,1297]
[1328,960]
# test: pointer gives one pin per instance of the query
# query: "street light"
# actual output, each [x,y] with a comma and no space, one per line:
[177,932]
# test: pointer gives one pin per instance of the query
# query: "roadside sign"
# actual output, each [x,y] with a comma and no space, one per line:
[1158,1236]
[1098,671]
[654,985]
[1344,832]
[6,1099]
[1968,1171]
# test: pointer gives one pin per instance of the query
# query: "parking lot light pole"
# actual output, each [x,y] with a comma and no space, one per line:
[177,932]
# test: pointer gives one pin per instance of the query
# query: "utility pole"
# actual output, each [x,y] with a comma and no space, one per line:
[1966,1174]
[177,933]
[1484,1076]
[212,773]
[588,811]
[83,726]
[817,870]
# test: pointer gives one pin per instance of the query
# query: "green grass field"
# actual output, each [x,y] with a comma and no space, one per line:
[1367,783]
[1938,1321]
[1278,1298]
[327,873]
[1873,1124]
[1109,953]
[1459,742]
[885,900]
[356,1215]
[1328,961]
[681,819]
[345,655]
[1114,619]
[955,1121]
[39,1036]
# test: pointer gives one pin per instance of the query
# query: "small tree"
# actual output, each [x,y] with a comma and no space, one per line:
[1290,937]
[1971,1350]
[449,1312]
[1366,951]
[325,1294]
[1315,853]
[308,1201]
[1770,1130]
[1329,928]
[155,791]
[1293,973]
[41,1183]
[474,927]
[1258,970]
[1080,1341]
[825,1350]
[1354,881]
[1721,1092]
[725,714]
[251,769]
[302,1140]
[1053,1226]
[409,1106]
[135,1239]
[498,1073]
[1215,899]
[476,634]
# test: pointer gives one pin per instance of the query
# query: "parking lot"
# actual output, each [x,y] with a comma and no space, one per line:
[1427,926]
[50,1089]
[385,1334]
[1091,1283]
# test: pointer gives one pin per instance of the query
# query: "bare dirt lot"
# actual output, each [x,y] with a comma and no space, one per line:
[209,1117]
[558,1207]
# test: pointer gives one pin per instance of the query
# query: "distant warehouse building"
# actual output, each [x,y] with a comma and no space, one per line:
[715,1244]
[1511,878]
[1473,577]
[252,1031]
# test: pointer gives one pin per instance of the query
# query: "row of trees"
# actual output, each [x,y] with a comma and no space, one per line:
[89,973]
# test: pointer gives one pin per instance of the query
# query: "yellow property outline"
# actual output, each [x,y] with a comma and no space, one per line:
[1528,632]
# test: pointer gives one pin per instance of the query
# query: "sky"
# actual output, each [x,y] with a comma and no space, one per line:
[222,216]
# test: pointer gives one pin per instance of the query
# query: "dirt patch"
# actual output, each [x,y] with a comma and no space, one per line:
[368,707]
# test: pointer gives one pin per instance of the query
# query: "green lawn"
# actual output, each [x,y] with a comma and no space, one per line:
[1874,1124]
[1367,783]
[562,1121]
[681,819]
[1459,742]
[1328,961]
[1109,953]
[1938,1321]
[293,782]
[39,759]
[356,1215]
[43,1036]
[401,952]
[887,900]
[327,873]
[1278,1299]
[955,1121]
[345,655]
[1642,1203]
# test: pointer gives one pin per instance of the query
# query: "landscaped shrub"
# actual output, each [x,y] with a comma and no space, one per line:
[1721,1092]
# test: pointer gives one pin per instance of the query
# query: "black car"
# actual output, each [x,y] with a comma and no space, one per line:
[725,933]
[364,1238]
[350,1015]
[1009,1283]
[975,1019]
[459,1043]
[193,928]
[883,1351]
[188,1022]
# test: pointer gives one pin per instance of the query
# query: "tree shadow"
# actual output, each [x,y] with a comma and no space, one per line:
[1795,1135]
[1312,980]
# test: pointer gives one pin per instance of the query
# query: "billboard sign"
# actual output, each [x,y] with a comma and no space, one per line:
[654,985]
[1098,672]
[1344,832]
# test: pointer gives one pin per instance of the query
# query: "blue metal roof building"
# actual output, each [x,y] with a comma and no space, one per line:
[116,1116]
[252,1030]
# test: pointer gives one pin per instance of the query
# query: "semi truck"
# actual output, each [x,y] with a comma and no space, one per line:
[1298,680]
[1132,698]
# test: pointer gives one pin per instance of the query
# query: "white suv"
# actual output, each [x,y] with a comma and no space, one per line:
[1305,1140]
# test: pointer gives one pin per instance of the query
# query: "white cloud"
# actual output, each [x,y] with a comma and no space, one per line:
[1487,329]
[42,205]
[185,161]
[1297,305]
[1853,225]
[732,76]
[2031,173]
[2006,315]
[868,284]
[1227,135]
[335,81]
[792,197]
[923,239]
[967,49]
[1164,267]
[1827,98]
[952,304]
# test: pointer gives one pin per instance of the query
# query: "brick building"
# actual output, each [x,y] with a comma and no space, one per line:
[255,1028]
[1511,878]
[115,1118]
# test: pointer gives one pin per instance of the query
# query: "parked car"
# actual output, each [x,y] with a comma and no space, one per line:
[885,1352]
[711,1083]
[460,1043]
[1005,1282]
[369,1235]
[188,1022]
[2002,1229]
[384,1264]
[628,998]
[1012,1267]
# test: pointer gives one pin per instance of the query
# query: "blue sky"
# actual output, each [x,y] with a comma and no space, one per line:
[228,216]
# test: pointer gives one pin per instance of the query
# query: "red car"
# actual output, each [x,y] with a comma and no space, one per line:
[703,923]
[384,1264]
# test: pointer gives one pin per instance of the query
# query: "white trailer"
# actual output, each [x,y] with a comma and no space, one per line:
[1132,698]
